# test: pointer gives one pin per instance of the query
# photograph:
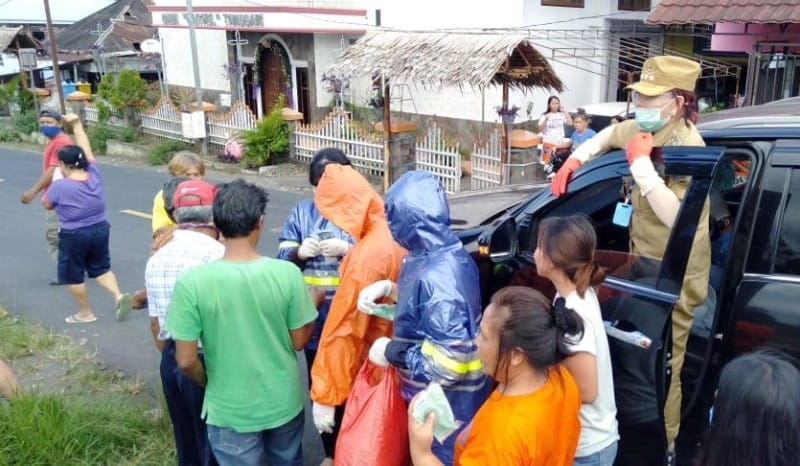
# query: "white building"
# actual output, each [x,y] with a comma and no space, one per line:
[287,45]
[560,29]
[284,46]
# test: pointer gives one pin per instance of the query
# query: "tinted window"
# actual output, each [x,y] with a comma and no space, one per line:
[787,259]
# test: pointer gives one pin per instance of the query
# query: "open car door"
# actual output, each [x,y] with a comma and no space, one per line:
[637,297]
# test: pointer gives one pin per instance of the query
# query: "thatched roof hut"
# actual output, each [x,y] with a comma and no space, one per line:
[435,59]
[15,37]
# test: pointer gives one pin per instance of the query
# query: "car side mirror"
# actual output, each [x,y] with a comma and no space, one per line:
[500,242]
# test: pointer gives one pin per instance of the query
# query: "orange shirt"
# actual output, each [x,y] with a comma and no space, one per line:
[538,429]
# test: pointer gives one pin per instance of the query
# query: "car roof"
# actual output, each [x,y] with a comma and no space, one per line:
[779,114]
[608,109]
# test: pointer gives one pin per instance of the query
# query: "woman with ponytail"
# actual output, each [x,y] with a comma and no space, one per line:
[565,256]
[532,416]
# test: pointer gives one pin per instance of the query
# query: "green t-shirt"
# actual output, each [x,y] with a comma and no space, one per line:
[243,311]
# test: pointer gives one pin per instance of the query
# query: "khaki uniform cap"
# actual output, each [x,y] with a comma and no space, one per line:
[665,73]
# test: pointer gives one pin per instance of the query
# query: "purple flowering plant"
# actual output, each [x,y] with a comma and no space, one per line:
[503,111]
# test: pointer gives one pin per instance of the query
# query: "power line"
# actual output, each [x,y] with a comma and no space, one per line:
[460,30]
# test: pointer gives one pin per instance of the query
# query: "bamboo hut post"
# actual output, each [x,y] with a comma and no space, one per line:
[506,139]
[387,156]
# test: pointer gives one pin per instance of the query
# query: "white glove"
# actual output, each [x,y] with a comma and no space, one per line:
[334,247]
[372,293]
[377,352]
[323,417]
[310,248]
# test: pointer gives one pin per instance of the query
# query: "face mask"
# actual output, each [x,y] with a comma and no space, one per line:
[649,119]
[50,131]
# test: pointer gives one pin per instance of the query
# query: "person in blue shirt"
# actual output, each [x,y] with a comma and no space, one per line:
[317,246]
[582,132]
[438,303]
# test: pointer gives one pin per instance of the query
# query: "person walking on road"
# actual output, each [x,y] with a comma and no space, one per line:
[252,313]
[79,202]
[51,125]
[193,243]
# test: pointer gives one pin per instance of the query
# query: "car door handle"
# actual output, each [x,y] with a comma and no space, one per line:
[633,337]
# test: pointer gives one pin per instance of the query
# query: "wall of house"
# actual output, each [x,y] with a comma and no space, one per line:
[212,55]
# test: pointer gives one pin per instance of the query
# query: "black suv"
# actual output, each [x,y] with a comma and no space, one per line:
[753,168]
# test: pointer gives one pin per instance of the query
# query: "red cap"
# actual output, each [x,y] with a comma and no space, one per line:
[194,193]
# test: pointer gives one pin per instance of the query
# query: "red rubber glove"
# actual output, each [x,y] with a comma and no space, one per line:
[639,146]
[559,185]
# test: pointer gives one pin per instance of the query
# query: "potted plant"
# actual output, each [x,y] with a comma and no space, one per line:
[508,114]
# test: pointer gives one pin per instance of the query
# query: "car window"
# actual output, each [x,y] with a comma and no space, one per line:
[787,259]
[598,201]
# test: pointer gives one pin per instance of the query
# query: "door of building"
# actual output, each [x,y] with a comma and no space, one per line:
[303,95]
[273,78]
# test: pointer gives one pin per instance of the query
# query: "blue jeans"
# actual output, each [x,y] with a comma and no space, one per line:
[185,403]
[281,446]
[604,457]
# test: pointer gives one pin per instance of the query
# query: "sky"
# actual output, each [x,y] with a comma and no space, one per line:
[62,11]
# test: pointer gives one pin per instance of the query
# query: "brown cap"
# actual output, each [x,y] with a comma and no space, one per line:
[665,73]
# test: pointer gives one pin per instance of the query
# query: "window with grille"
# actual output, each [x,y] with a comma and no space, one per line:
[633,5]
[569,3]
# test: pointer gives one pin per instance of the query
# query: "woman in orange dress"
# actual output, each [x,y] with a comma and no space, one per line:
[532,416]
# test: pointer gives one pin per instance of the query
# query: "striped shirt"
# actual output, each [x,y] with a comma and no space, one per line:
[186,250]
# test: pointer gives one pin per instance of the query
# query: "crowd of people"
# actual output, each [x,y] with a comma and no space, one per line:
[359,279]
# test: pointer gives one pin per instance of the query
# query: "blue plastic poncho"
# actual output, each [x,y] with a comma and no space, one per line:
[439,305]
[303,222]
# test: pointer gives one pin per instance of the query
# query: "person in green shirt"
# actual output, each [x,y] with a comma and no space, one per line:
[252,314]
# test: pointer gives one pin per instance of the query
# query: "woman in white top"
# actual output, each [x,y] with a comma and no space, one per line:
[565,256]
[551,126]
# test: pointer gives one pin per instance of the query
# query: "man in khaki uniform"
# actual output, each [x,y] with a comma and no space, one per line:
[661,97]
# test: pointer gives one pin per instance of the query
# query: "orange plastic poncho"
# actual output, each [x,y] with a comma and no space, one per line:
[345,198]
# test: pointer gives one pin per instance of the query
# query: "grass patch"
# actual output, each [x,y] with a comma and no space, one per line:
[73,410]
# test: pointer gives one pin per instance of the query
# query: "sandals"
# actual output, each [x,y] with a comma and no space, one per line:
[73,319]
[124,307]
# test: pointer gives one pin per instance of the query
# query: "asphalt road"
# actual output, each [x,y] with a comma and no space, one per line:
[25,268]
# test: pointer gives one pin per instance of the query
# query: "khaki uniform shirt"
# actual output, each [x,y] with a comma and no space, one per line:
[649,235]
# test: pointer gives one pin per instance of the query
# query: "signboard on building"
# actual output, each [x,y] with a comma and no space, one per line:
[27,59]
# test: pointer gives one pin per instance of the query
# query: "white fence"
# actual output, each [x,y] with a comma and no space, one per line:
[337,130]
[440,157]
[485,161]
[163,120]
[222,127]
[92,115]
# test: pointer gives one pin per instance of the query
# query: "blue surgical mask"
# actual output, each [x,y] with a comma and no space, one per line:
[50,131]
[649,119]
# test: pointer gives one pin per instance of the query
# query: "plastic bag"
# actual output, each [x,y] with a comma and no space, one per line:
[374,429]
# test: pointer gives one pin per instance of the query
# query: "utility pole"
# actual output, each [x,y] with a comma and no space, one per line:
[195,64]
[54,57]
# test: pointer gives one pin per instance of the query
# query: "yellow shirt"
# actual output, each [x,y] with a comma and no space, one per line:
[160,217]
